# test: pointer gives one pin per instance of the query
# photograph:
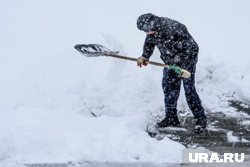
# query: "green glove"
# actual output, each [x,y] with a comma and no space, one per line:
[176,69]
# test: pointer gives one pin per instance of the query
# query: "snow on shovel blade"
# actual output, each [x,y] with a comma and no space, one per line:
[93,50]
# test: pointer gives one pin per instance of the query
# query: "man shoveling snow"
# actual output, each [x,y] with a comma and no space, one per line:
[177,48]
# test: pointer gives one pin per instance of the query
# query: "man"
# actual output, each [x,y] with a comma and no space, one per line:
[177,47]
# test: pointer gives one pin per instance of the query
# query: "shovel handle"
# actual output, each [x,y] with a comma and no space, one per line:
[134,59]
[156,63]
[185,73]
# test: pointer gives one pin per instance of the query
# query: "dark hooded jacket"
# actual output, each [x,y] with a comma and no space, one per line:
[176,45]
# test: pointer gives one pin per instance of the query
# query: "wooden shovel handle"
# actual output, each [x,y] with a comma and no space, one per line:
[185,73]
[135,59]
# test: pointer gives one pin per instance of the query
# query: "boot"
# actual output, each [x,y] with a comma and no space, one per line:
[201,124]
[169,121]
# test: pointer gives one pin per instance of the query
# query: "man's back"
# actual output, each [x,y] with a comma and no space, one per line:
[174,42]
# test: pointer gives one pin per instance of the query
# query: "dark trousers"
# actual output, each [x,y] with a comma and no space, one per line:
[171,84]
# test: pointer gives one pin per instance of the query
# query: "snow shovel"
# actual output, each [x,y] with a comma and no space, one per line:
[95,50]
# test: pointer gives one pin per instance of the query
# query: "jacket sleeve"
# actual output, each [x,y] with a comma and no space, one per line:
[180,32]
[190,61]
[186,46]
[148,47]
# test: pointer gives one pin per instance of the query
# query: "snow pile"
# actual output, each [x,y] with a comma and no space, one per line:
[52,136]
[50,94]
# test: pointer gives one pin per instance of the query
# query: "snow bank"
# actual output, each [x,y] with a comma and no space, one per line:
[53,136]
[49,92]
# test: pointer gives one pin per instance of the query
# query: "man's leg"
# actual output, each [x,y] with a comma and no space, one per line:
[194,101]
[171,84]
[192,96]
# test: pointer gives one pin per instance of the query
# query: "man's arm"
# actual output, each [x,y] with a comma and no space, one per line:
[148,47]
[148,50]
[186,46]
[191,59]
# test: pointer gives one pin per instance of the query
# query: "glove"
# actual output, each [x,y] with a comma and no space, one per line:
[142,61]
[176,69]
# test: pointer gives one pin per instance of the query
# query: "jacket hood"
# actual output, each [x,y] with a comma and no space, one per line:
[146,21]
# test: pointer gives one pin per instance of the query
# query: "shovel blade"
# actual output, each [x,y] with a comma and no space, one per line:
[92,50]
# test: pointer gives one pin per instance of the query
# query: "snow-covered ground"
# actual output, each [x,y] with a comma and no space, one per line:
[49,92]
